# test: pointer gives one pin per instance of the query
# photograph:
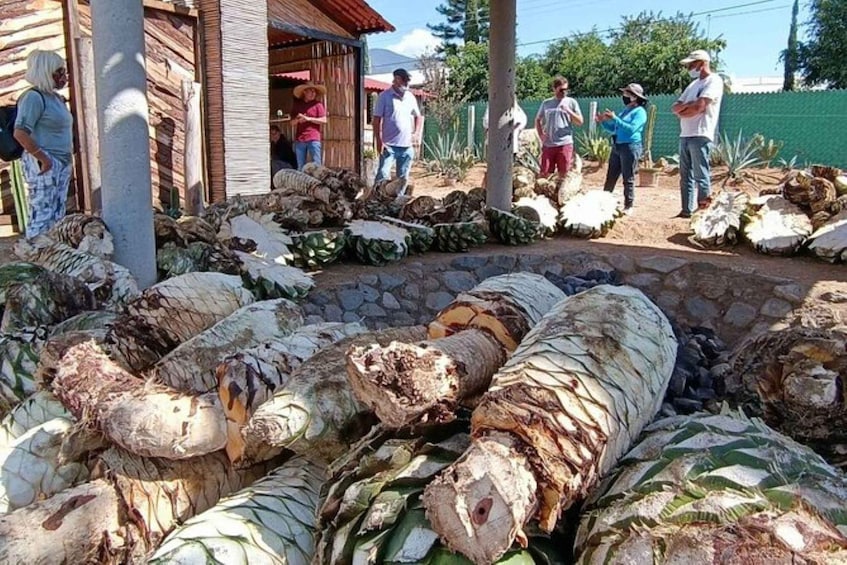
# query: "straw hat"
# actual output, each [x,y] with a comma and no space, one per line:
[301,88]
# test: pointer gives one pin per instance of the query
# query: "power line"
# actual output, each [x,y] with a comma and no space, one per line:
[536,10]
[774,9]
[617,28]
[557,5]
[391,66]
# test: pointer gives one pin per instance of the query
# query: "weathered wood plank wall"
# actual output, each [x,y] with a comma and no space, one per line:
[25,25]
[334,66]
[170,59]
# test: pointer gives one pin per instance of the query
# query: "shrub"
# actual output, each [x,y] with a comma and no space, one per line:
[594,146]
[447,157]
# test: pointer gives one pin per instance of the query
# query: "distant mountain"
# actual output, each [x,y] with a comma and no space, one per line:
[385,61]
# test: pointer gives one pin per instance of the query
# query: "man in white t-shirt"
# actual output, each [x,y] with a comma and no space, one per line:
[520,120]
[697,109]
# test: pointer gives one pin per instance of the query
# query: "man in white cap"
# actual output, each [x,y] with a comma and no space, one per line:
[697,109]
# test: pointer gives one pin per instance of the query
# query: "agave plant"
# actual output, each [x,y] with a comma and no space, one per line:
[594,145]
[788,164]
[447,156]
[529,160]
[768,149]
[739,155]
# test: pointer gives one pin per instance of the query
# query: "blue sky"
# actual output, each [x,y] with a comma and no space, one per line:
[755,30]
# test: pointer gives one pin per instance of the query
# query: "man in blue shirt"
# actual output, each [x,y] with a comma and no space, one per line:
[397,125]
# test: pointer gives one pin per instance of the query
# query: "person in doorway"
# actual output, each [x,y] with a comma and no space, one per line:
[554,123]
[520,121]
[308,115]
[397,126]
[282,152]
[626,129]
[43,127]
[697,109]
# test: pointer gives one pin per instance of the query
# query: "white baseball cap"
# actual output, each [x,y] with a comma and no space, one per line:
[698,55]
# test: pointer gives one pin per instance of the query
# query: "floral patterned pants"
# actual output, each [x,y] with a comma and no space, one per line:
[47,193]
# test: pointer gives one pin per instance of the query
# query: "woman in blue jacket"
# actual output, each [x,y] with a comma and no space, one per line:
[626,129]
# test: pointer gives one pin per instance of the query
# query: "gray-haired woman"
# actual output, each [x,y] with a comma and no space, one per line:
[43,127]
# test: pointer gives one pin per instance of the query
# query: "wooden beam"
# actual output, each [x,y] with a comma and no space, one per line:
[171,8]
[359,102]
[89,138]
[304,31]
[298,43]
[81,165]
[193,159]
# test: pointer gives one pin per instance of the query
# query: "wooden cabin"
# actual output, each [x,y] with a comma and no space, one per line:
[211,95]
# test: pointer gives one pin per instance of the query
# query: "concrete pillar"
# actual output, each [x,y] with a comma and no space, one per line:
[121,83]
[501,88]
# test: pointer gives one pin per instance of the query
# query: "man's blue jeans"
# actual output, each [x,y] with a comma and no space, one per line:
[391,153]
[313,148]
[694,171]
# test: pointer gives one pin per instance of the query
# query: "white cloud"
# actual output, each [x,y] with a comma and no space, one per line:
[415,43]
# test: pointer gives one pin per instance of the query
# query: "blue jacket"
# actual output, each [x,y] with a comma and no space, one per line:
[628,125]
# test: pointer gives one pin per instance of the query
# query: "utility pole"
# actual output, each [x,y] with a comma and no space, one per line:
[501,91]
[122,118]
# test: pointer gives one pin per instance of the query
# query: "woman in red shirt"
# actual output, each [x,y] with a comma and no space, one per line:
[308,115]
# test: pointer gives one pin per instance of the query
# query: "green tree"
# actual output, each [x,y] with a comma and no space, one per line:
[647,48]
[468,71]
[822,54]
[472,22]
[468,74]
[444,102]
[790,57]
[532,81]
[465,20]
[585,60]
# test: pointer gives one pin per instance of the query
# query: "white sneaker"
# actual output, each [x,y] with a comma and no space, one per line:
[628,211]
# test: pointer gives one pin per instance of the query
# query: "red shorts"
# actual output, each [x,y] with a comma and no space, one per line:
[556,159]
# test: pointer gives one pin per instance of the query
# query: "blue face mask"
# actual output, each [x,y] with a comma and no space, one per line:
[694,73]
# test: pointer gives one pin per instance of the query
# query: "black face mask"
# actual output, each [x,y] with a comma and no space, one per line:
[626,100]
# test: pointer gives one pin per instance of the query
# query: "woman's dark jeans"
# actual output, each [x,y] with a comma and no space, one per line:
[623,162]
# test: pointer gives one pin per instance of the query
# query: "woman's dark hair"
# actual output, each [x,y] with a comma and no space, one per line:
[276,128]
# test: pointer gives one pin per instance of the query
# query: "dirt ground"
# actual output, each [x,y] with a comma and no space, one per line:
[653,229]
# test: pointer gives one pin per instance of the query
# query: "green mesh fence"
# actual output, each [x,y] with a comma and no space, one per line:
[811,125]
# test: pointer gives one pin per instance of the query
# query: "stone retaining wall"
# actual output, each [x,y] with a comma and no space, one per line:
[732,303]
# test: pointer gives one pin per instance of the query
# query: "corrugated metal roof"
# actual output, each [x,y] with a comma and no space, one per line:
[354,15]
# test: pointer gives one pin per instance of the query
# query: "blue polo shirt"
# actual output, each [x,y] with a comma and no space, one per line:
[628,125]
[397,113]
[45,117]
